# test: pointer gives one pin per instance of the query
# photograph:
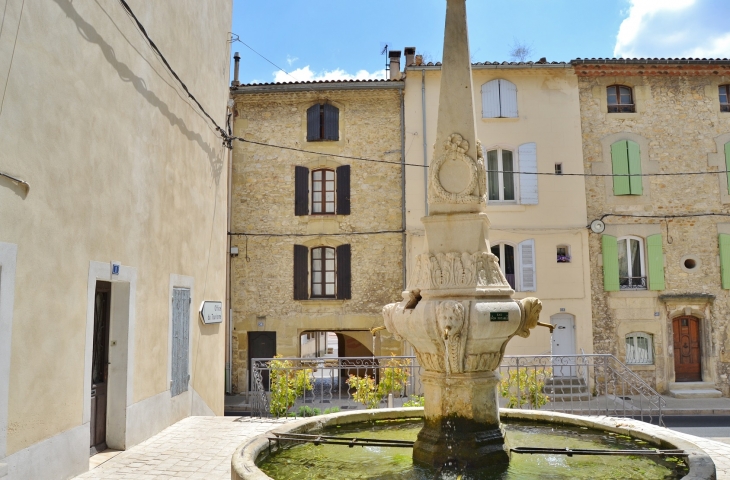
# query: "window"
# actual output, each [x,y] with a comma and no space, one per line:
[323,191]
[322,272]
[323,123]
[725,98]
[500,165]
[626,168]
[330,191]
[558,169]
[631,263]
[620,99]
[499,99]
[517,264]
[639,349]
[563,253]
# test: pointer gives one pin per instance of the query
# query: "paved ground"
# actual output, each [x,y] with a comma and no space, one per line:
[197,447]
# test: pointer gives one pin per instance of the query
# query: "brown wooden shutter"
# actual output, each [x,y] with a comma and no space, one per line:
[301,191]
[344,272]
[313,130]
[331,123]
[301,272]
[343,190]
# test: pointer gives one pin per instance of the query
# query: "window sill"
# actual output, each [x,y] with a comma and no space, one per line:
[634,293]
[500,119]
[621,116]
[641,367]
[317,302]
[505,207]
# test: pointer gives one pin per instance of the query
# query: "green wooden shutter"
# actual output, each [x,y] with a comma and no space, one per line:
[620,163]
[727,164]
[610,263]
[725,260]
[656,262]
[634,156]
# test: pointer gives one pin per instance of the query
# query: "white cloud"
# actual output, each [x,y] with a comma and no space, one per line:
[290,60]
[675,28]
[306,74]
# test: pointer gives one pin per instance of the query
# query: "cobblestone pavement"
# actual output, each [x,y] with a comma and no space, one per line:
[201,447]
[196,447]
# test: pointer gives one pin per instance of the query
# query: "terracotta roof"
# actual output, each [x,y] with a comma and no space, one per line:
[438,64]
[643,61]
[317,82]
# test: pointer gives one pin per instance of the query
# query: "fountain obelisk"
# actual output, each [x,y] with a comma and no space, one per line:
[458,311]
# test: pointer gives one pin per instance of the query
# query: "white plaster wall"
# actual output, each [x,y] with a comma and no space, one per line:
[121,167]
[8,255]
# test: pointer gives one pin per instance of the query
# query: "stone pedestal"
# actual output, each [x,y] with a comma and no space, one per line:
[461,425]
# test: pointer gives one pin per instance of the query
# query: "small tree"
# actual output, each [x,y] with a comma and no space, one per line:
[520,51]
[287,384]
[394,378]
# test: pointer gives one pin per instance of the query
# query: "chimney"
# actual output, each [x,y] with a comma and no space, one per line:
[237,60]
[394,64]
[410,56]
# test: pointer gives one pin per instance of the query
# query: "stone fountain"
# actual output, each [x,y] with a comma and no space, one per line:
[458,311]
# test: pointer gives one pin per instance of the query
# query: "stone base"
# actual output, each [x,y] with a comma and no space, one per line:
[460,444]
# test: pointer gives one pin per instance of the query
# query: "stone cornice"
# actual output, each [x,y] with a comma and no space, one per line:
[649,68]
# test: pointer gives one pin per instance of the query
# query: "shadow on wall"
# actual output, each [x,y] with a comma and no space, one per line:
[89,33]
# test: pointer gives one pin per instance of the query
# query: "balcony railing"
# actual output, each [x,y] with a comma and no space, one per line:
[586,384]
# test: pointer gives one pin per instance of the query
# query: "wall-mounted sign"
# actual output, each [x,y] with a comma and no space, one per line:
[499,316]
[116,266]
[211,312]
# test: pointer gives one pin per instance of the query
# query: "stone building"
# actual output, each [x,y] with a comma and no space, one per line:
[112,226]
[528,121]
[318,232]
[660,261]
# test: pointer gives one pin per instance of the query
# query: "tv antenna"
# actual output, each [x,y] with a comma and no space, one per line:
[384,50]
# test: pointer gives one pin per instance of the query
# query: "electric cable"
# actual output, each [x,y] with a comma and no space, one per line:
[236,38]
[246,234]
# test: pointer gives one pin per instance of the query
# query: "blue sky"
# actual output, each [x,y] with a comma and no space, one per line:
[337,39]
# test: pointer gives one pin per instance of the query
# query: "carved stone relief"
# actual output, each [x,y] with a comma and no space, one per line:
[452,319]
[457,270]
[456,148]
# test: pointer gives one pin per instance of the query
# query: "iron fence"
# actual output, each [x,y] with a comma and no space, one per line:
[585,384]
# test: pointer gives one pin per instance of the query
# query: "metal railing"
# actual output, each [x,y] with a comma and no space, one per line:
[584,384]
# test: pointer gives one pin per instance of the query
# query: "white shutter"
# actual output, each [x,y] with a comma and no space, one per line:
[528,281]
[527,163]
[490,99]
[508,98]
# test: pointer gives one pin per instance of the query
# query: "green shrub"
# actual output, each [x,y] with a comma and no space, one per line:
[287,383]
[415,401]
[530,386]
[331,410]
[307,411]
[393,378]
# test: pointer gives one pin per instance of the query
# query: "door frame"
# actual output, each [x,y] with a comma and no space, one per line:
[560,370]
[691,305]
[700,331]
[103,287]
[120,393]
[8,262]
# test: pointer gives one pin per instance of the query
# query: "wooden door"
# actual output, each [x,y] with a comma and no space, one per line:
[100,366]
[260,345]
[687,353]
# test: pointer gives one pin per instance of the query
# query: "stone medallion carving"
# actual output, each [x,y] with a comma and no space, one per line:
[451,317]
[474,189]
[457,270]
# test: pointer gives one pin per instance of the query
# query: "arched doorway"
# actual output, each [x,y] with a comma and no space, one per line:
[687,349]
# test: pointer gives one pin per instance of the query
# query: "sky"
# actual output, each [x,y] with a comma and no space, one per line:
[343,39]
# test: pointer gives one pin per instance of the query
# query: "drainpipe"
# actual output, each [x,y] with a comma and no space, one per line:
[425,143]
[229,323]
[403,181]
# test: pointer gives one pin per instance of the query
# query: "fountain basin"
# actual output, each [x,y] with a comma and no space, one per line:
[244,467]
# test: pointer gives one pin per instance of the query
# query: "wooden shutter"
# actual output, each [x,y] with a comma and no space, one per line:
[331,122]
[528,164]
[725,260]
[301,272]
[620,163]
[490,100]
[343,190]
[727,164]
[180,341]
[301,191]
[508,98]
[634,155]
[344,272]
[656,262]
[528,282]
[609,248]
[313,130]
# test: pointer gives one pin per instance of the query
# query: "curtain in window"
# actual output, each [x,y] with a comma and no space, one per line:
[493,167]
[638,349]
[635,258]
[509,177]
[623,262]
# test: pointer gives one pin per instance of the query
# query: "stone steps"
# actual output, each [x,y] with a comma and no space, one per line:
[690,390]
[566,389]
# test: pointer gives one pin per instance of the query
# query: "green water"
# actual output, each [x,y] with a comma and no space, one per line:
[305,462]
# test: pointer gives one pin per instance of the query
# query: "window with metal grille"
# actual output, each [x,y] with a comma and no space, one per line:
[324,272]
[620,99]
[639,349]
[725,98]
[502,184]
[323,192]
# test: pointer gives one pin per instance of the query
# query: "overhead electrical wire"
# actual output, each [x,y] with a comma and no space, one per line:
[343,234]
[236,38]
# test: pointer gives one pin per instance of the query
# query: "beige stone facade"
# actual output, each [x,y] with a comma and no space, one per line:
[543,123]
[678,127]
[121,168]
[265,227]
